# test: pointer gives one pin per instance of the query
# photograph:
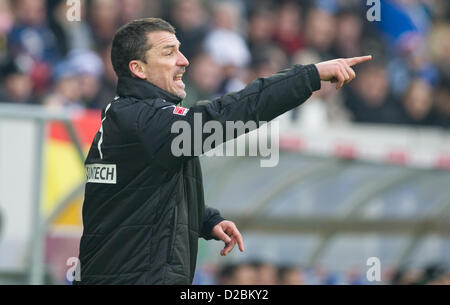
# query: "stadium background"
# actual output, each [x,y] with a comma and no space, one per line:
[363,172]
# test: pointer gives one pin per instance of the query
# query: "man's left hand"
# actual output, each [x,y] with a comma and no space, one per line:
[230,235]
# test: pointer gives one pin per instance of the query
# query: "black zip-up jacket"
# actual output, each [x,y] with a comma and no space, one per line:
[144,209]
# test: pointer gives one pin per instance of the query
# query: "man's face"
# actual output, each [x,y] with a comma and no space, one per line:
[165,63]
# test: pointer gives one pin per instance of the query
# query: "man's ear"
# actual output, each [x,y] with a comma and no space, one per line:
[137,69]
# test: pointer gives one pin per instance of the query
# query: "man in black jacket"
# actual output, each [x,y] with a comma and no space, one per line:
[144,208]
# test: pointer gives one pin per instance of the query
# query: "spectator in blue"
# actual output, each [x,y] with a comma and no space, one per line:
[30,34]
[32,43]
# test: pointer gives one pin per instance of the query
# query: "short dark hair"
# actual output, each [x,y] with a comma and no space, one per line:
[130,42]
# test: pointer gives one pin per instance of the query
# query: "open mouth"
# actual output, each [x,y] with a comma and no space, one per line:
[178,77]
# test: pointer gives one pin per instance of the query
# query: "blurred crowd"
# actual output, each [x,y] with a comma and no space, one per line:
[47,59]
[265,273]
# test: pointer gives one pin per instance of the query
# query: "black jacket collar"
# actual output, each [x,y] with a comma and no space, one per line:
[142,89]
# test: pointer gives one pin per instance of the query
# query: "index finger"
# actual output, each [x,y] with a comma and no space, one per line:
[357,60]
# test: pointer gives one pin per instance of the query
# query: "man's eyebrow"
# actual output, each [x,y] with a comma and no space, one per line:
[172,46]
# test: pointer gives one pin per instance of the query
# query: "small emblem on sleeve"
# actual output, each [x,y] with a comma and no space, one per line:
[180,111]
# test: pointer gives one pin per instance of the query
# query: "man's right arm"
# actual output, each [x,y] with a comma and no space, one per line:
[262,100]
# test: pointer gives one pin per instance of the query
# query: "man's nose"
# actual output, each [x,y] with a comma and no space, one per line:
[182,61]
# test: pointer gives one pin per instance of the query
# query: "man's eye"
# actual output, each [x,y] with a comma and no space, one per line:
[168,54]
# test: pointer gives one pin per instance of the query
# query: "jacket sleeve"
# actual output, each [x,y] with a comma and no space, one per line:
[262,100]
[210,220]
